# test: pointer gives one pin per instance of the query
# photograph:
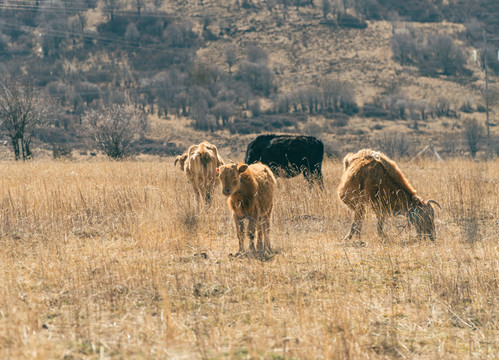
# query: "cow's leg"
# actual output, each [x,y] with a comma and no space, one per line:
[207,194]
[197,194]
[319,178]
[265,225]
[308,176]
[357,222]
[260,234]
[252,225]
[240,232]
[381,220]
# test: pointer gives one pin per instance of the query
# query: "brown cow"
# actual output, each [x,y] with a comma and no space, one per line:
[371,177]
[250,191]
[199,165]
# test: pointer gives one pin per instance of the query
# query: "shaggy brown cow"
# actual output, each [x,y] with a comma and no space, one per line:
[199,165]
[250,191]
[371,177]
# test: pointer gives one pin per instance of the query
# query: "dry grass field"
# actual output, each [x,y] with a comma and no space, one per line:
[114,260]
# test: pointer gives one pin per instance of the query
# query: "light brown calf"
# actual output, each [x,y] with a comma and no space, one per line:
[250,191]
[199,165]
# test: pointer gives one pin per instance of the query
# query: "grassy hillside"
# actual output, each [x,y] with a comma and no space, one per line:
[96,263]
[170,60]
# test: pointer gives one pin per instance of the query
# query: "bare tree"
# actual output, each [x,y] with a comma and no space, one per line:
[404,48]
[23,109]
[230,56]
[139,5]
[110,8]
[115,128]
[443,53]
[473,134]
[326,8]
[158,3]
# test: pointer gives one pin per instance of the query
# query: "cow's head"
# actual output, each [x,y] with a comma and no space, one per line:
[230,177]
[422,217]
[181,161]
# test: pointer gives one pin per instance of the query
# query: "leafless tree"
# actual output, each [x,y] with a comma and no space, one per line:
[443,53]
[230,56]
[115,128]
[473,135]
[139,5]
[394,144]
[110,8]
[23,109]
[257,54]
[326,8]
[158,3]
[404,48]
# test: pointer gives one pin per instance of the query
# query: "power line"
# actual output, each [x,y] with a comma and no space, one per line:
[77,9]
[64,34]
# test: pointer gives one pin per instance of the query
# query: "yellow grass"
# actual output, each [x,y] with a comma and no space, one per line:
[114,260]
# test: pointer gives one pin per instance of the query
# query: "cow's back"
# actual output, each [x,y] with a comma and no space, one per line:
[286,153]
[265,181]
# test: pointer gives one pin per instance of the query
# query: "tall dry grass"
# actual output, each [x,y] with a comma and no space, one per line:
[114,260]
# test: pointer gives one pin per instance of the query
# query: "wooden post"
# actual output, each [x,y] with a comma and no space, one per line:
[486,91]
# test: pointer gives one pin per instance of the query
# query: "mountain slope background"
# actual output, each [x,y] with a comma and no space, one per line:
[354,73]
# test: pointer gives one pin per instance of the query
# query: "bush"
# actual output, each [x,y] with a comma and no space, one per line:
[473,135]
[437,54]
[442,107]
[254,107]
[374,110]
[467,105]
[61,151]
[443,53]
[339,120]
[114,128]
[397,106]
[349,21]
[155,147]
[393,144]
[180,35]
[405,49]
[153,23]
[268,123]
[259,77]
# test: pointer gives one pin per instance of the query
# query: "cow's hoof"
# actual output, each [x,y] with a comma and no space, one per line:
[239,254]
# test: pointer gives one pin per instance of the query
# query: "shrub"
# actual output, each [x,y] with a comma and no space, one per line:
[259,77]
[114,128]
[349,21]
[473,135]
[397,106]
[405,49]
[254,107]
[374,110]
[393,144]
[339,120]
[61,151]
[445,55]
[467,105]
[442,107]
[180,35]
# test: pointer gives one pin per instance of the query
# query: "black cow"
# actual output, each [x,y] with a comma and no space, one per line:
[289,155]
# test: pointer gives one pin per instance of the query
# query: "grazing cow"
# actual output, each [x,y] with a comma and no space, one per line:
[288,155]
[371,177]
[250,191]
[199,164]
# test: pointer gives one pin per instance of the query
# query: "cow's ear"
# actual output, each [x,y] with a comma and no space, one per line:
[242,168]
